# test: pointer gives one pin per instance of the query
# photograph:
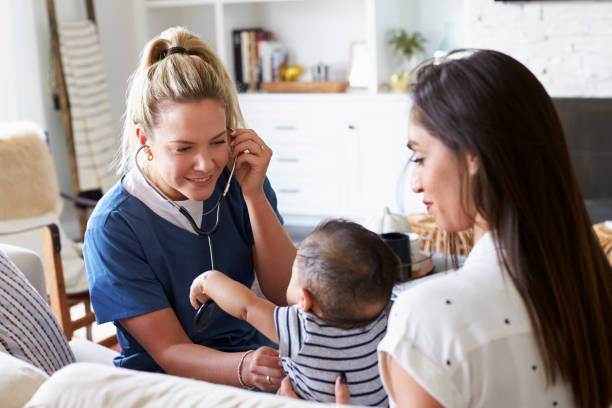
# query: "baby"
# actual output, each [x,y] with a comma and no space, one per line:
[340,287]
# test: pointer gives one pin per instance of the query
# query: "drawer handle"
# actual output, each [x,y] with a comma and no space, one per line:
[288,159]
[289,190]
[285,127]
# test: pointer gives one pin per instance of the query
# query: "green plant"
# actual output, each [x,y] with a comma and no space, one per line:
[407,44]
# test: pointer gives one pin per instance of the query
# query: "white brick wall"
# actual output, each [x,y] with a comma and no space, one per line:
[567,45]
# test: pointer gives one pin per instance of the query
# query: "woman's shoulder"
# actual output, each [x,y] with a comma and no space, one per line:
[431,304]
[115,201]
[461,311]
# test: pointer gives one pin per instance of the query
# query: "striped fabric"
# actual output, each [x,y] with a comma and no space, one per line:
[93,138]
[28,329]
[314,353]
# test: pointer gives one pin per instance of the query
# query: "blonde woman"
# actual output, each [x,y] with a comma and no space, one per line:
[184,127]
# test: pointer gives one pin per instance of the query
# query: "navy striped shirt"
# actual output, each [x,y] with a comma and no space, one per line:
[314,353]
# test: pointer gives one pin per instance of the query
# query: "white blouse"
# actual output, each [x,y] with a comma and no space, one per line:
[466,338]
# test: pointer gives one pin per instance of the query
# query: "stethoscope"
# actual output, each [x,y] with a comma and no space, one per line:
[209,304]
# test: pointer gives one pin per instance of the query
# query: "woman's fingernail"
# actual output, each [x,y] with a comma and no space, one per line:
[343,378]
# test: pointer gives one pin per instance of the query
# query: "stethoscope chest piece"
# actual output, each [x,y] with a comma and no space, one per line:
[199,316]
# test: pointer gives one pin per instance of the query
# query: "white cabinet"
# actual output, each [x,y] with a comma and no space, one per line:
[313,30]
[333,155]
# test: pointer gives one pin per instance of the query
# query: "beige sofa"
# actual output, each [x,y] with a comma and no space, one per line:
[93,381]
[94,385]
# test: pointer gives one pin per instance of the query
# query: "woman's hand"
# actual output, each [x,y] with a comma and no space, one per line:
[343,394]
[263,369]
[250,167]
[424,268]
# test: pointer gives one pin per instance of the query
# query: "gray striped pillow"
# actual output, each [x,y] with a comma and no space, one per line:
[28,329]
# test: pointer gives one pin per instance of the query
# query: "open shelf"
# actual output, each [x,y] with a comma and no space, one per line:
[310,29]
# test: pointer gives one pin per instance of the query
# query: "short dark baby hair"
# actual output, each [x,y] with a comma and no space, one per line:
[346,268]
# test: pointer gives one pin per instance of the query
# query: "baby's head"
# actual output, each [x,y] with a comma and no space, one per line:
[344,273]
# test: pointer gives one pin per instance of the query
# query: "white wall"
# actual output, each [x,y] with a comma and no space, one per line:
[442,21]
[8,109]
[23,84]
[566,44]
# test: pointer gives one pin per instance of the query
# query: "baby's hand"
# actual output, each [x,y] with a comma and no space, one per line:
[198,290]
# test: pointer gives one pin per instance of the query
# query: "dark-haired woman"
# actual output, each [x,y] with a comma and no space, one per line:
[525,321]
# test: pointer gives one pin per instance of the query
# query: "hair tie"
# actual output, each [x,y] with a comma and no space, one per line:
[175,50]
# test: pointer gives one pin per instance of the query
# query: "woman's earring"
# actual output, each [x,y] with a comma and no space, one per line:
[150,156]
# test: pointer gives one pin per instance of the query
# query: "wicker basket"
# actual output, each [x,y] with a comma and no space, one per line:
[605,238]
[433,239]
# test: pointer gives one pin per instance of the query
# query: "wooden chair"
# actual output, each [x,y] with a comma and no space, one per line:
[59,300]
[31,199]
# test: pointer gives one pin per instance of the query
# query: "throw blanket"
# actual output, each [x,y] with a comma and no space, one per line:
[94,142]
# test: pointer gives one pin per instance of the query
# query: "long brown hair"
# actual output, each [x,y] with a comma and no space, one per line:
[489,104]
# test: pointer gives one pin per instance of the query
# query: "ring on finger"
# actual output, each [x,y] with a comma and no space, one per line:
[262,147]
[268,380]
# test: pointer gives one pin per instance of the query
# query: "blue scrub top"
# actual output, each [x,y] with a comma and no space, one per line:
[138,262]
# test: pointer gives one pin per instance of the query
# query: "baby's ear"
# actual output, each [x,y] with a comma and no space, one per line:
[305,300]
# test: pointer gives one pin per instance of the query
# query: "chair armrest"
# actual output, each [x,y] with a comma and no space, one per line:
[86,202]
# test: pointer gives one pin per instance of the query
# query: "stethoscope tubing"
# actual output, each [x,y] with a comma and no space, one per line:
[209,304]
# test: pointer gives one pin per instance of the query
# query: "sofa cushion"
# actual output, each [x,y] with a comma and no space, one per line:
[19,381]
[28,329]
[86,351]
[94,385]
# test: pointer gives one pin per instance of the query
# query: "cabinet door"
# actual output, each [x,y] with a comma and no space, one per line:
[382,133]
[304,157]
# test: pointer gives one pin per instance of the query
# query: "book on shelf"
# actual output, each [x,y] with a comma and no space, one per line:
[272,55]
[247,57]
